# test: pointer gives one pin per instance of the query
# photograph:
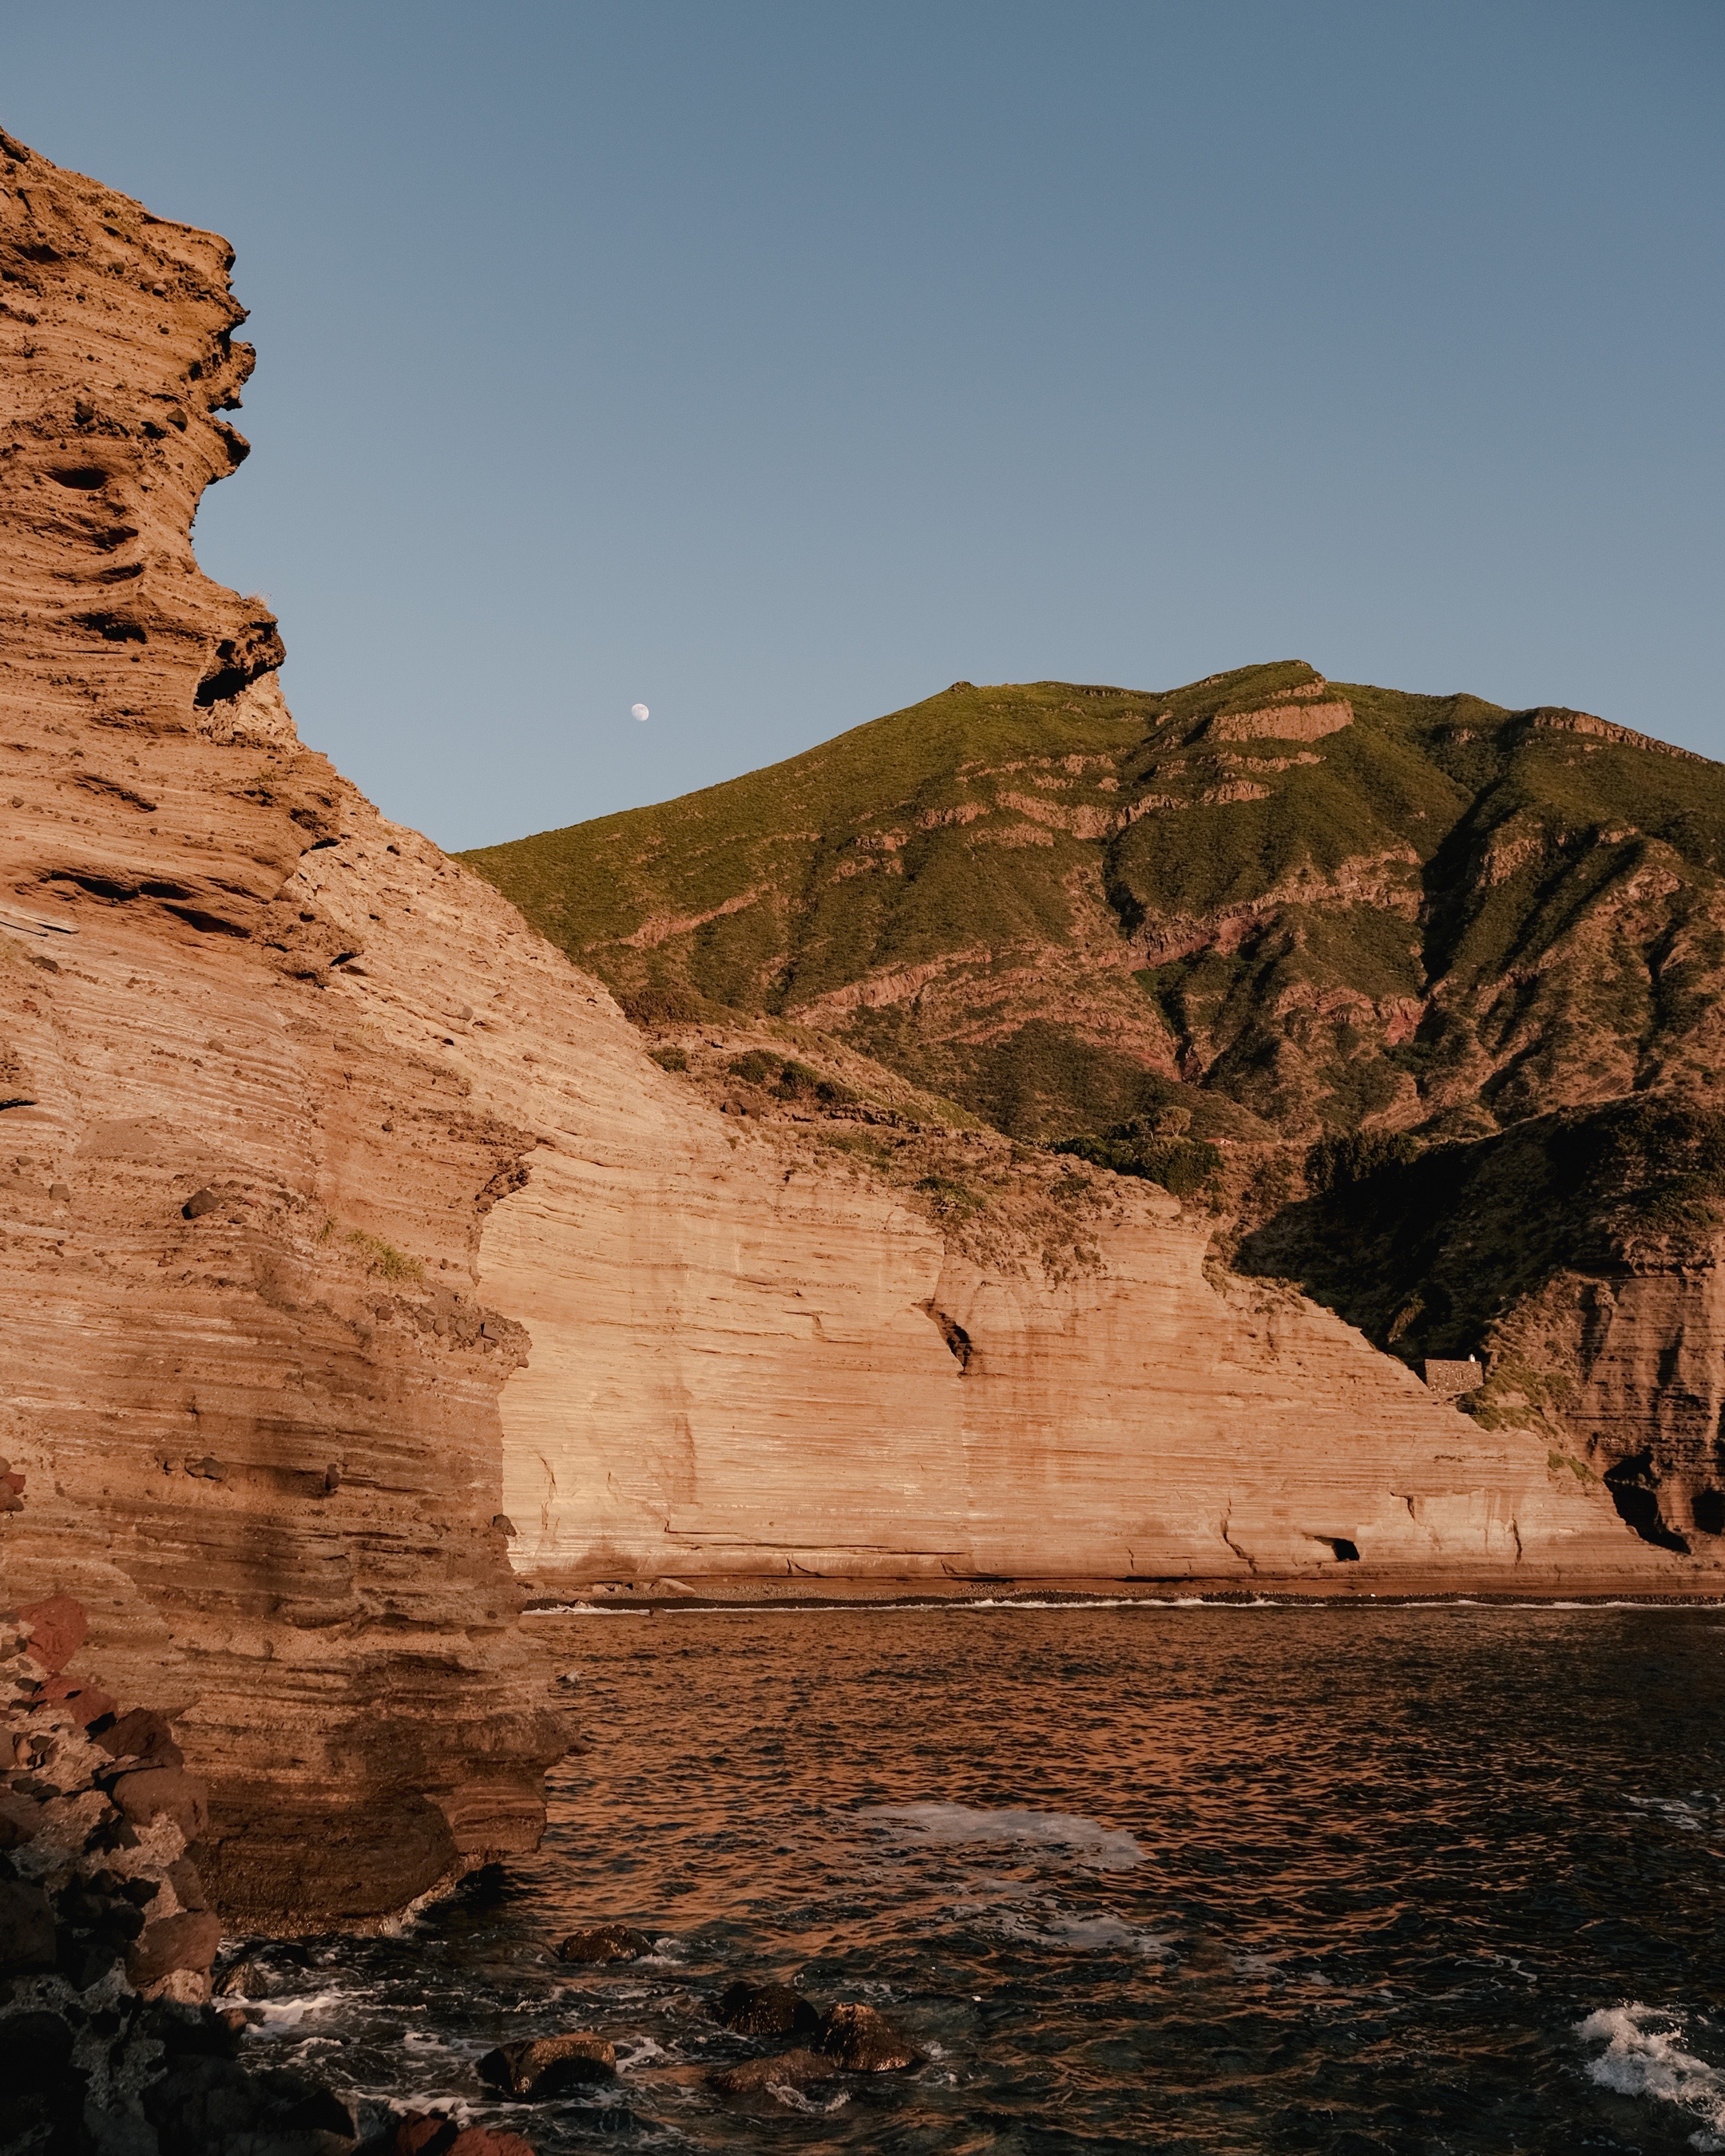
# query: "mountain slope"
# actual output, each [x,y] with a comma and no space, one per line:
[1321,906]
[1379,975]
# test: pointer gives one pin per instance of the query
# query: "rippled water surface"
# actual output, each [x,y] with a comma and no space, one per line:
[1314,1878]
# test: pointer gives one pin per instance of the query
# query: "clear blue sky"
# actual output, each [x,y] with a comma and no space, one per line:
[776,364]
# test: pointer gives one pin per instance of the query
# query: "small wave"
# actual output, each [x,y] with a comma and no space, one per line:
[1067,1933]
[273,2015]
[936,1605]
[1643,2057]
[1097,1847]
[584,1610]
[1101,1602]
[1681,1815]
[796,2099]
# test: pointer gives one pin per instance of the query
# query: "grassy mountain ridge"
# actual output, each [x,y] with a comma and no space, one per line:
[1294,906]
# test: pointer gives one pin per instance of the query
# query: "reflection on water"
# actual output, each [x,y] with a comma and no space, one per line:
[1216,1879]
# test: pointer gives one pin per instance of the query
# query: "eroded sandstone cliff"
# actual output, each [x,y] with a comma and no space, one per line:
[248,1379]
[1338,958]
[349,1231]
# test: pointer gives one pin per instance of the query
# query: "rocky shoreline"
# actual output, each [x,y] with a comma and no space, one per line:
[122,2021]
[1370,1585]
[110,2043]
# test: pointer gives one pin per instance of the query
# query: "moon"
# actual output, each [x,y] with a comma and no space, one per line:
[637,711]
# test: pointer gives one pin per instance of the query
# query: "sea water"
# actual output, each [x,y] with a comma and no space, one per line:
[1322,1878]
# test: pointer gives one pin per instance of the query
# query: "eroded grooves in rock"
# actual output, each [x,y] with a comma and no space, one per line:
[250,1381]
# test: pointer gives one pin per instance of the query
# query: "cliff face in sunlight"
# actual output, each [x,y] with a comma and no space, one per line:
[249,1383]
[349,1231]
[1424,998]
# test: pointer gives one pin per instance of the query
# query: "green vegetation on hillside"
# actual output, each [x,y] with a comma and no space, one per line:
[1428,1249]
[1289,906]
[1419,998]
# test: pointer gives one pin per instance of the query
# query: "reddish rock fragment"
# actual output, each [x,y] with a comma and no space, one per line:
[189,1887]
[148,1792]
[433,2134]
[186,1940]
[83,1702]
[428,2135]
[142,1734]
[20,1816]
[58,1626]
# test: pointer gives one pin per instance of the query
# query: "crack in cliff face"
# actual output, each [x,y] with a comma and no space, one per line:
[958,1341]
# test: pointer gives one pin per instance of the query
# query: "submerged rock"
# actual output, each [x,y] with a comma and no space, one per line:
[765,2010]
[796,2069]
[864,2042]
[605,1942]
[244,1978]
[546,2065]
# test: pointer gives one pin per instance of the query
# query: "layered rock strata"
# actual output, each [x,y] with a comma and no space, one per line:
[833,1392]
[1316,934]
[349,1231]
[247,1370]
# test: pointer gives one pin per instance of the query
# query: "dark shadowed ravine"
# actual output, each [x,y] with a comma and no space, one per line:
[1335,1879]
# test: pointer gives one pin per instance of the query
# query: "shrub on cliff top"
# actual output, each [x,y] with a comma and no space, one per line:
[1335,1163]
[790,1080]
[662,1004]
[1145,1149]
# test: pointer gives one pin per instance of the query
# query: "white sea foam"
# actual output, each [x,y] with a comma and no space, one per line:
[275,2014]
[586,1609]
[1687,1817]
[1090,1602]
[1643,2056]
[1067,1933]
[795,2099]
[928,1606]
[1086,1841]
